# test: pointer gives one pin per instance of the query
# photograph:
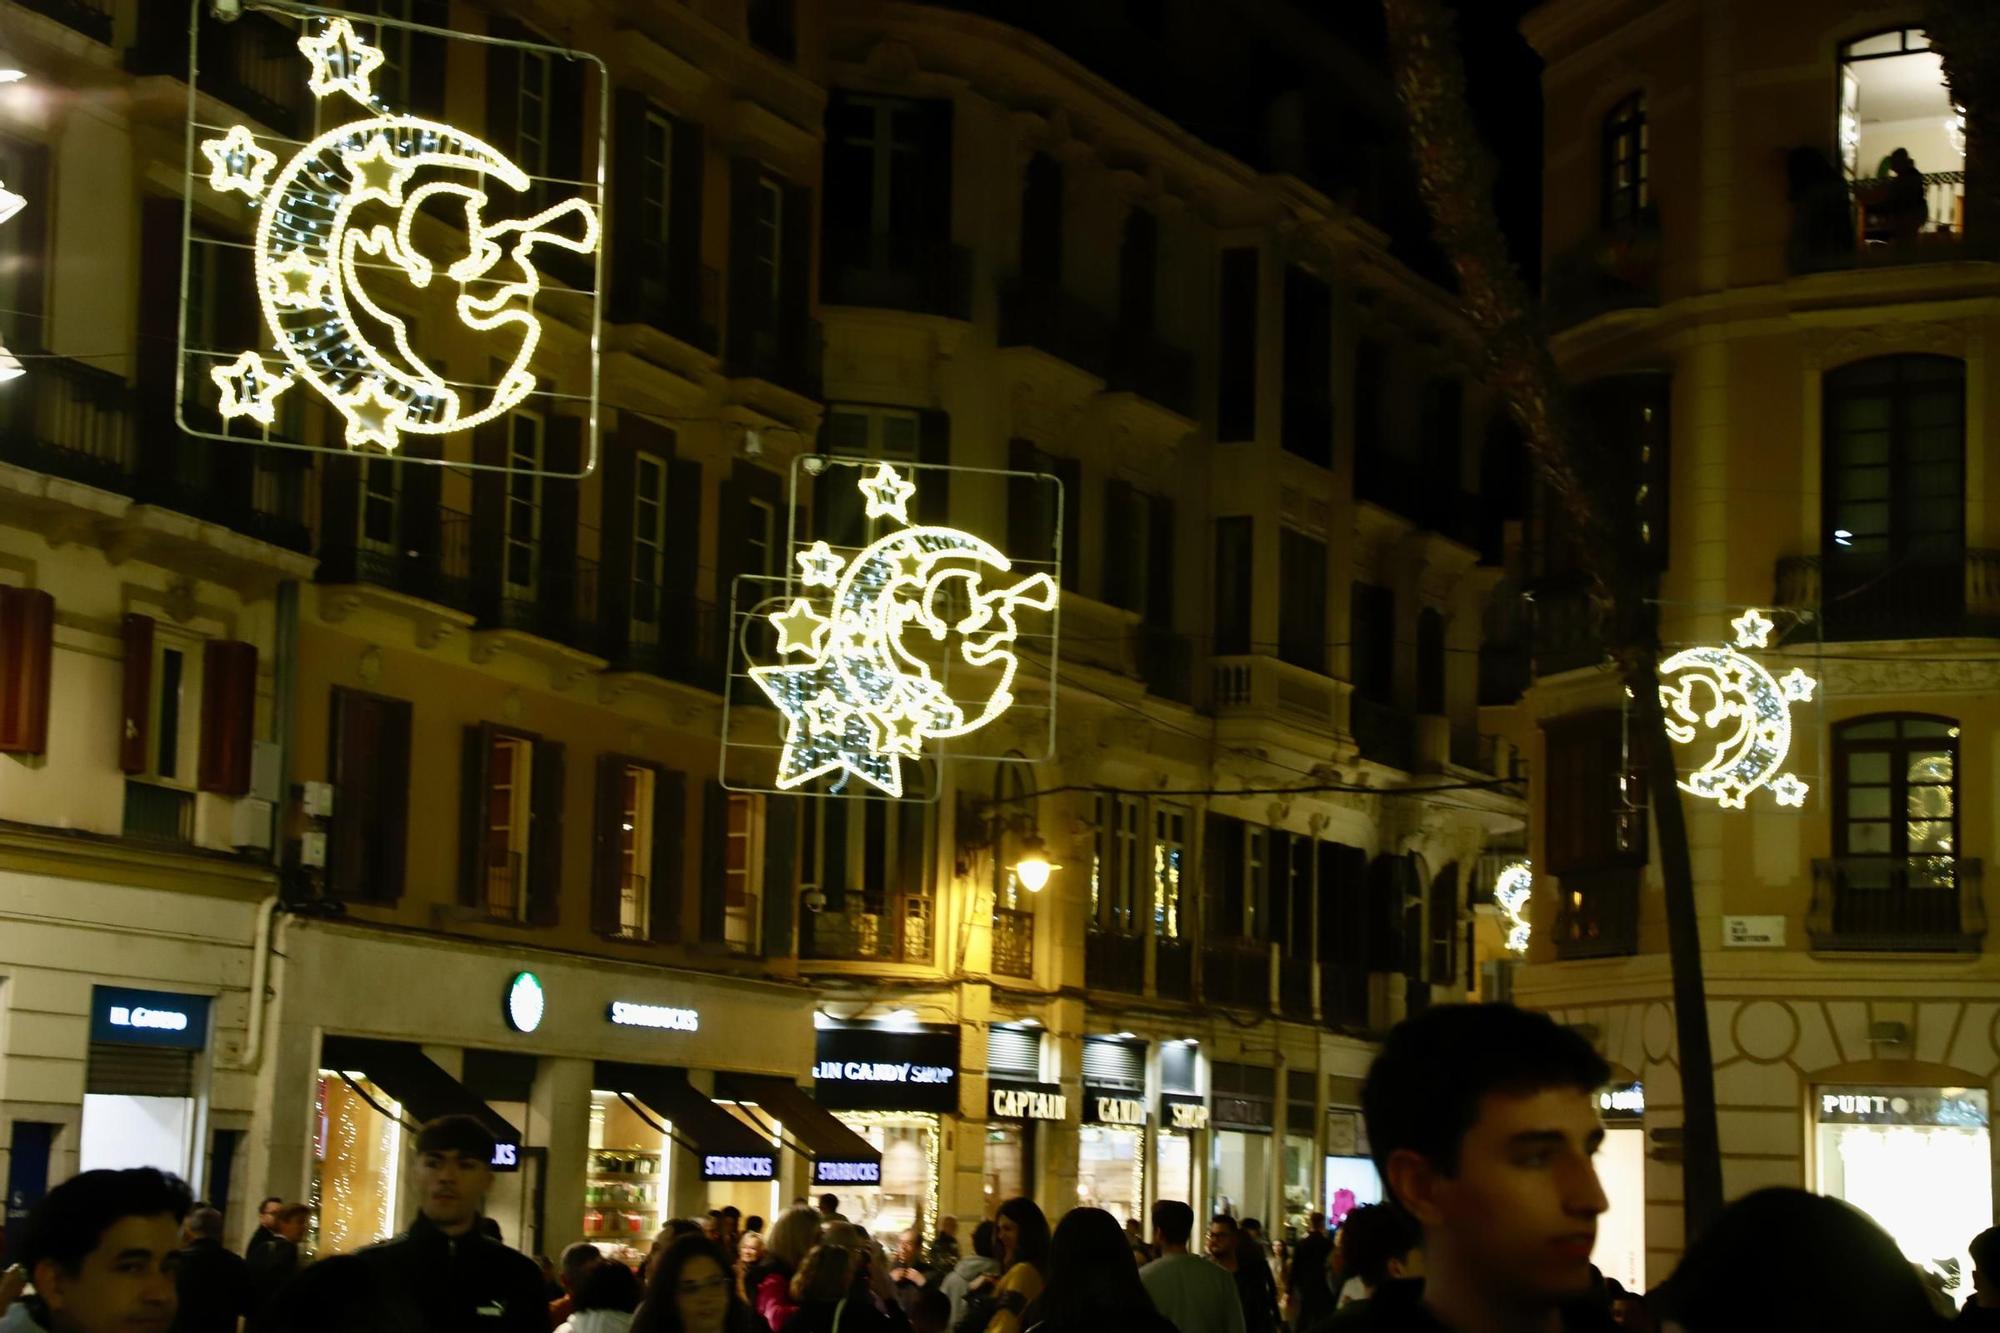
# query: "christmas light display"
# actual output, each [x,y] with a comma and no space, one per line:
[1512,888]
[1723,695]
[10,204]
[863,700]
[345,205]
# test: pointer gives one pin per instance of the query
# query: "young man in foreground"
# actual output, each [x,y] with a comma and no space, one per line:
[102,1250]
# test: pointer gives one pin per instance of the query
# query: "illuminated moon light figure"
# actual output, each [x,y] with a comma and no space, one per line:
[1728,700]
[862,702]
[1512,888]
[314,244]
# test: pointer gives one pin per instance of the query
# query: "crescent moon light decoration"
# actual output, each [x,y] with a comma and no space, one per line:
[1512,888]
[861,701]
[310,250]
[1727,699]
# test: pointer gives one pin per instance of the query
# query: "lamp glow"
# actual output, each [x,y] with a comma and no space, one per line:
[1034,867]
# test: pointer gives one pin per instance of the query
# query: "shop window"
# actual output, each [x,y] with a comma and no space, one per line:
[371,780]
[521,534]
[636,893]
[864,879]
[1623,167]
[626,1187]
[1896,802]
[357,1158]
[1302,637]
[1010,1164]
[511,843]
[1894,98]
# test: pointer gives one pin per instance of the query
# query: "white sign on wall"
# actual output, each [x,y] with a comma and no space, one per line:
[1753,932]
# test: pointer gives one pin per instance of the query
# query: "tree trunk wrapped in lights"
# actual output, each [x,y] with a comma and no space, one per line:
[1455,174]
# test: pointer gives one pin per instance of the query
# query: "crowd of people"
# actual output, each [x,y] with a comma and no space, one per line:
[1482,1120]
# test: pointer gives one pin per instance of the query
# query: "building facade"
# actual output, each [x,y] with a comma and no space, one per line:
[1767,294]
[449,830]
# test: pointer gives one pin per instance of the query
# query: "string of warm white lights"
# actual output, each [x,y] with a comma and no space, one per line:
[10,204]
[1728,699]
[1512,888]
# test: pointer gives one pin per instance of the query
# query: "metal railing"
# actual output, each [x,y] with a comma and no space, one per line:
[663,632]
[1868,599]
[501,894]
[1237,973]
[1384,733]
[74,421]
[1013,942]
[165,814]
[740,922]
[1114,961]
[861,927]
[1343,996]
[1173,969]
[1166,662]
[250,63]
[892,272]
[1902,904]
[1137,361]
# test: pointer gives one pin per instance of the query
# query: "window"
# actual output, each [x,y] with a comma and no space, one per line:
[1896,801]
[381,503]
[1236,350]
[521,551]
[510,786]
[656,171]
[1170,825]
[1138,265]
[772,28]
[1117,864]
[877,141]
[883,434]
[1233,563]
[649,536]
[370,771]
[1624,161]
[767,243]
[390,80]
[742,873]
[1308,368]
[1302,637]
[635,850]
[1894,96]
[1042,220]
[1588,825]
[760,537]
[1239,887]
[1372,635]
[531,141]
[167,759]
[871,862]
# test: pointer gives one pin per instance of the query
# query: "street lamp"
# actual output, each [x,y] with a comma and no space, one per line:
[1032,870]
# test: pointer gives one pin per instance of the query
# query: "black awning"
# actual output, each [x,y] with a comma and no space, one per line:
[840,1156]
[422,1086]
[728,1148]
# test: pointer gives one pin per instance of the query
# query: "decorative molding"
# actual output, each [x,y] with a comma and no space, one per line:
[1918,676]
[1828,347]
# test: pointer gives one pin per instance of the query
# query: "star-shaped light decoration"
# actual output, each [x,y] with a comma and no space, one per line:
[910,565]
[1789,790]
[1797,685]
[887,494]
[827,713]
[1753,629]
[248,390]
[800,628]
[902,733]
[820,565]
[297,283]
[374,416]
[342,62]
[237,163]
[377,171]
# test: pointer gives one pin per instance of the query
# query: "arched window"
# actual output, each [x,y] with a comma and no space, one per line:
[1625,190]
[1896,801]
[1893,481]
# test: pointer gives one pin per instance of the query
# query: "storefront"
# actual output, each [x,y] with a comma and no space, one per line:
[1301,1165]
[1351,1177]
[891,1086]
[1243,1104]
[1917,1160]
[1111,1156]
[145,1096]
[1180,1146]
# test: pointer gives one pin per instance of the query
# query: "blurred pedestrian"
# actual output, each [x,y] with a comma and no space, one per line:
[1240,1257]
[102,1250]
[839,1291]
[1308,1297]
[930,1312]
[605,1300]
[577,1261]
[343,1294]
[732,1228]
[982,1263]
[906,1270]
[749,1253]
[277,1263]
[769,1282]
[1021,1232]
[753,1225]
[1982,1308]
[213,1283]
[690,1293]
[267,1226]
[829,1209]
[1196,1295]
[1091,1287]
[944,1252]
[1382,1246]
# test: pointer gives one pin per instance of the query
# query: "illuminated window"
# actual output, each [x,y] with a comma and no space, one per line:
[1169,865]
[1896,801]
[1625,148]
[635,850]
[509,794]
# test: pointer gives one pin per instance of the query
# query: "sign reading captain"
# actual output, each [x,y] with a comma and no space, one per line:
[871,1069]
[1028,1101]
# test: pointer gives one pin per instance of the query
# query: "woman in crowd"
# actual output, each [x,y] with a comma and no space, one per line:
[768,1283]
[1022,1233]
[1093,1285]
[605,1300]
[691,1292]
[843,1285]
[749,1254]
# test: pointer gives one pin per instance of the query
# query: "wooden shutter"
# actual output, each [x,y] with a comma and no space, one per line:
[683,555]
[1161,552]
[1027,535]
[684,215]
[745,306]
[228,715]
[795,260]
[545,834]
[606,827]
[370,771]
[635,259]
[669,853]
[420,514]
[714,861]
[1069,472]
[616,497]
[489,516]
[1385,914]
[732,500]
[562,453]
[428,58]
[474,779]
[27,644]
[781,836]
[135,726]
[934,451]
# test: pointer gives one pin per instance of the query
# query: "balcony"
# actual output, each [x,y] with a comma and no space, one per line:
[888,272]
[1237,973]
[1862,601]
[1295,987]
[1385,734]
[92,18]
[162,814]
[663,633]
[562,607]
[864,927]
[1615,269]
[251,63]
[1565,636]
[788,356]
[1598,914]
[1173,969]
[1013,942]
[73,421]
[1166,662]
[1343,997]
[1112,961]
[1138,362]
[442,574]
[1918,904]
[1042,315]
[683,304]
[1265,687]
[1306,425]
[1867,223]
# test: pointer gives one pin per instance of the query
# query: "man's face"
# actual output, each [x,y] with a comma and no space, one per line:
[125,1285]
[906,1248]
[268,1214]
[1221,1241]
[1520,1215]
[452,1186]
[294,1230]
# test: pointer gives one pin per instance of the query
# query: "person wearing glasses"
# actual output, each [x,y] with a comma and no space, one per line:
[691,1292]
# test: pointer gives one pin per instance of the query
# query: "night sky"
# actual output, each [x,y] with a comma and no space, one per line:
[1504,75]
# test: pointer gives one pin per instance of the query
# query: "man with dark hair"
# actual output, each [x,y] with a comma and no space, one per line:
[577,1261]
[267,1226]
[1982,1309]
[277,1262]
[459,1278]
[1198,1296]
[1382,1249]
[1307,1291]
[829,1208]
[213,1283]
[1237,1254]
[103,1249]
[982,1263]
[1483,1121]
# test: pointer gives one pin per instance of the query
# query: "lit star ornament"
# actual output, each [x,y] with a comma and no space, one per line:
[248,390]
[1738,716]
[864,700]
[337,254]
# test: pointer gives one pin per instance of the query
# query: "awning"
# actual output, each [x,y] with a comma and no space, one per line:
[422,1086]
[840,1156]
[728,1148]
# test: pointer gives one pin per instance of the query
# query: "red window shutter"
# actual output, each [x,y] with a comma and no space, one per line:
[138,706]
[228,715]
[27,638]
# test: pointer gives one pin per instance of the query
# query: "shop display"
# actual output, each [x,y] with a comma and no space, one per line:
[625,1188]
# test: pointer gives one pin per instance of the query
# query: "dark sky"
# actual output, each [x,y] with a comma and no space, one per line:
[1504,77]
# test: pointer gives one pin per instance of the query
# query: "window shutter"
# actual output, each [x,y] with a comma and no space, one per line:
[370,770]
[138,691]
[1120,585]
[913,869]
[614,576]
[933,451]
[1385,914]
[475,755]
[427,59]
[606,866]
[567,113]
[545,849]
[683,555]
[781,837]
[684,215]
[339,512]
[1444,923]
[744,306]
[714,861]
[27,642]
[489,516]
[1069,471]
[669,853]
[635,259]
[730,528]
[1027,537]
[228,715]
[503,85]
[563,453]
[1161,553]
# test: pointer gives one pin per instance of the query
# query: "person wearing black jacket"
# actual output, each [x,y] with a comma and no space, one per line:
[1256,1289]
[213,1283]
[275,1263]
[1312,1297]
[267,1226]
[460,1280]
